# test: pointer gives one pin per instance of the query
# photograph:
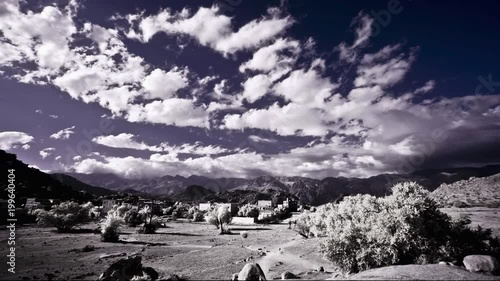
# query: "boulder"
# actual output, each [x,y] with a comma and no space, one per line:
[151,272]
[481,263]
[251,272]
[287,275]
[124,269]
[127,269]
[320,269]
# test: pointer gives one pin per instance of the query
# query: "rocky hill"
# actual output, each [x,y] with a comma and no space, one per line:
[193,193]
[472,192]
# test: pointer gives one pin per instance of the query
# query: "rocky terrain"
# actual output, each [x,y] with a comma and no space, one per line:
[474,192]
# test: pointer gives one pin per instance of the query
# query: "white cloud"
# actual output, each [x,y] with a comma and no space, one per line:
[306,88]
[210,28]
[127,140]
[12,139]
[256,138]
[164,85]
[44,153]
[292,119]
[270,57]
[256,87]
[363,33]
[63,134]
[429,86]
[175,111]
[384,73]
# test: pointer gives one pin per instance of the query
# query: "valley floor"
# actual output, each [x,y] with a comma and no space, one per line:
[191,250]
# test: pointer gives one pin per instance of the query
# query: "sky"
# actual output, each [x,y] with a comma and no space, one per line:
[240,88]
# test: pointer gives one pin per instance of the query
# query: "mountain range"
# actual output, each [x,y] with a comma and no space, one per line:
[308,190]
[31,182]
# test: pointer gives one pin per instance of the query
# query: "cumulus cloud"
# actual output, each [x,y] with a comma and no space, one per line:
[164,85]
[63,134]
[13,139]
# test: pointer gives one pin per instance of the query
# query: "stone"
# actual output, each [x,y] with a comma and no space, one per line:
[481,263]
[287,275]
[320,269]
[234,277]
[151,272]
[112,255]
[173,277]
[251,272]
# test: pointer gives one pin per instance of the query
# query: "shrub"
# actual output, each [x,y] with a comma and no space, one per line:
[150,221]
[364,232]
[275,216]
[198,216]
[132,217]
[64,216]
[220,217]
[110,227]
[191,211]
[249,210]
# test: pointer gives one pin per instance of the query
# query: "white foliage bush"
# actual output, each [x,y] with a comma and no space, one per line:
[249,210]
[64,216]
[110,227]
[220,216]
[406,227]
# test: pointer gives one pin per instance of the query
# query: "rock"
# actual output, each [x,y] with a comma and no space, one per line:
[173,277]
[320,269]
[234,277]
[287,275]
[127,269]
[481,263]
[251,272]
[244,234]
[123,269]
[113,255]
[151,272]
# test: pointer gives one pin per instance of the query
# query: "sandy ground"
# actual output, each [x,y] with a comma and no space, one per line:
[190,250]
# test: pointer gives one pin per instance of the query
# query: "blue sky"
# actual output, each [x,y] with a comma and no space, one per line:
[245,88]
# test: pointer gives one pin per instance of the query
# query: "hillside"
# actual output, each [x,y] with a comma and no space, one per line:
[31,182]
[80,186]
[193,193]
[477,192]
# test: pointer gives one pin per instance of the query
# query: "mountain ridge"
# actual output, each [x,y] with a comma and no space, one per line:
[308,190]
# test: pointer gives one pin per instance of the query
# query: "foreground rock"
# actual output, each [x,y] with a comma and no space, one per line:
[481,263]
[419,272]
[287,275]
[249,272]
[126,269]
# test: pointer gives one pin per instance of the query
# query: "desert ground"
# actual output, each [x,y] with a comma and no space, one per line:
[196,251]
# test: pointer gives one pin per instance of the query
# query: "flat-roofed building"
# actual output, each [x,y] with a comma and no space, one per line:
[265,204]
